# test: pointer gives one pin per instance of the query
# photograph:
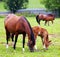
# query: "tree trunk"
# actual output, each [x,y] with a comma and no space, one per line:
[59,12]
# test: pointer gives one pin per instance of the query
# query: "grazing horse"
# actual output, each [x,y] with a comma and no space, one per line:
[15,25]
[46,18]
[38,31]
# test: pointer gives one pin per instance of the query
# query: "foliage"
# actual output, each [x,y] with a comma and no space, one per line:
[35,4]
[31,4]
[14,5]
[52,4]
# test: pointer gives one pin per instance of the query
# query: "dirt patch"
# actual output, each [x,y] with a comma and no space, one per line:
[54,35]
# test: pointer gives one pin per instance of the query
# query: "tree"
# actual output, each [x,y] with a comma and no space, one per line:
[14,5]
[52,4]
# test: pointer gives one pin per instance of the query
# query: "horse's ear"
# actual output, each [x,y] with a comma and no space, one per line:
[50,42]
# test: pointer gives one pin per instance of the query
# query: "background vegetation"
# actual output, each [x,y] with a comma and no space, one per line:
[31,4]
[52,5]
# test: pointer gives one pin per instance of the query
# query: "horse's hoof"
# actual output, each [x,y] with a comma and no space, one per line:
[31,50]
[6,46]
[14,47]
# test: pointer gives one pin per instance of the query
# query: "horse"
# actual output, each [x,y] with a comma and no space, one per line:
[15,25]
[43,33]
[46,18]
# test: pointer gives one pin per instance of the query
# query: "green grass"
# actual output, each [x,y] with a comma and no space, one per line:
[53,51]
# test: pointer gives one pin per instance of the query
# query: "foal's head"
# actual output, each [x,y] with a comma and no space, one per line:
[46,41]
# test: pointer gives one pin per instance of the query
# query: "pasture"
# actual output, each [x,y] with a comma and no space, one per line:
[54,36]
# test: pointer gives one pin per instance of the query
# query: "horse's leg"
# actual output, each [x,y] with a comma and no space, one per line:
[45,22]
[35,45]
[7,38]
[24,35]
[44,43]
[12,36]
[48,23]
[52,21]
[16,36]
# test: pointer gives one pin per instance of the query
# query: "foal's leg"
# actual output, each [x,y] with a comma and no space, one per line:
[43,42]
[16,36]
[7,38]
[35,45]
[35,41]
[24,35]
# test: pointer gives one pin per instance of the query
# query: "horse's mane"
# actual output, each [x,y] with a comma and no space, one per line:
[32,35]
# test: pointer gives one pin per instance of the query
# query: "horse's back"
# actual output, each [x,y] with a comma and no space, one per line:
[10,22]
[10,18]
[14,23]
[24,24]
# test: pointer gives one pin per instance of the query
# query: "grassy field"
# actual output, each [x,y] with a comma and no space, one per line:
[54,48]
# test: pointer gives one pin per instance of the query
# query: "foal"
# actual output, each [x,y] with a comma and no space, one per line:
[38,31]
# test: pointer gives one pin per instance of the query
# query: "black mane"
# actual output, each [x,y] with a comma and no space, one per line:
[32,34]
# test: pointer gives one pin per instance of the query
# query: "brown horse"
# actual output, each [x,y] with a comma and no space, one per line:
[46,18]
[43,33]
[15,25]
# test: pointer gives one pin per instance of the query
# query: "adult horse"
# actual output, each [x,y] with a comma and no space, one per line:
[43,33]
[16,25]
[46,18]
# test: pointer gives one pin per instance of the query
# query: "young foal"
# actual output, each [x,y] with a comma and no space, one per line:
[38,31]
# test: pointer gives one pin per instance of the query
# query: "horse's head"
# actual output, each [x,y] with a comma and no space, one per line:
[47,44]
[31,46]
[31,42]
[31,39]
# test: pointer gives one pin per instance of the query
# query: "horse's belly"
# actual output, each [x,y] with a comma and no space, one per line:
[11,29]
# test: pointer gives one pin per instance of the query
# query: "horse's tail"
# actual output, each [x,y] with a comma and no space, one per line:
[53,17]
[37,17]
